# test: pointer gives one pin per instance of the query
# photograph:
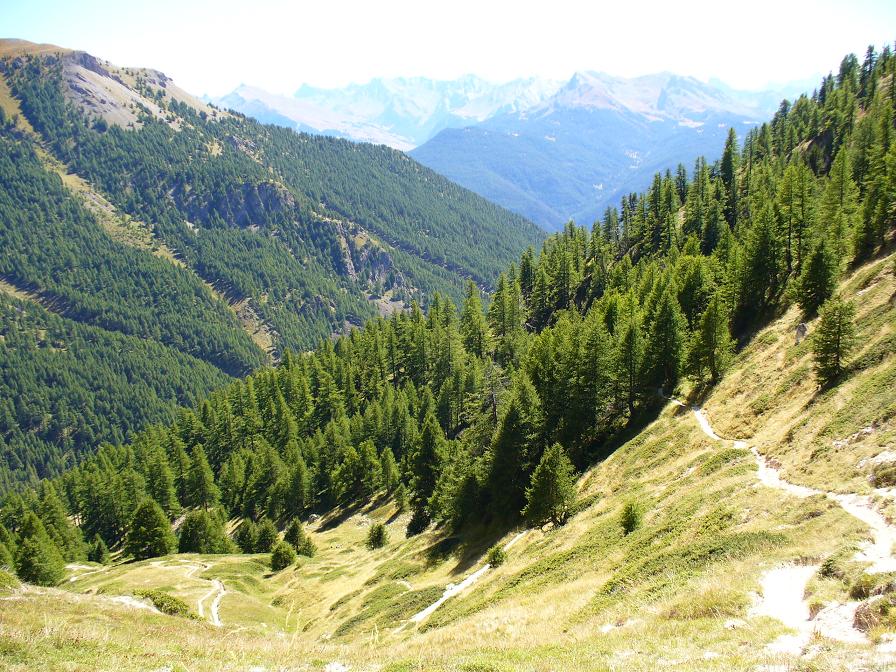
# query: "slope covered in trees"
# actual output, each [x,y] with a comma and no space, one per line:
[262,230]
[572,350]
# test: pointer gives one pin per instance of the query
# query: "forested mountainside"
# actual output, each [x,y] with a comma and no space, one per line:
[594,140]
[475,417]
[130,207]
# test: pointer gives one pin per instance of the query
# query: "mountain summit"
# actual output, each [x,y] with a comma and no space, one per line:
[597,138]
[402,112]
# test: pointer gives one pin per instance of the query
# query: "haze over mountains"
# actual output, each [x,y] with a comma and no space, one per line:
[402,112]
[546,150]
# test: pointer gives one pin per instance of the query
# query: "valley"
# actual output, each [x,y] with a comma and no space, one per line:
[271,400]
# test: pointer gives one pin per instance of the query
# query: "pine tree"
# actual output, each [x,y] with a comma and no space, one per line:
[516,447]
[266,536]
[98,552]
[202,490]
[666,343]
[391,476]
[551,495]
[728,170]
[473,327]
[818,281]
[840,205]
[427,462]
[371,469]
[246,536]
[160,483]
[202,532]
[295,536]
[630,355]
[66,536]
[150,532]
[38,560]
[712,344]
[833,340]
[761,269]
[299,489]
[377,536]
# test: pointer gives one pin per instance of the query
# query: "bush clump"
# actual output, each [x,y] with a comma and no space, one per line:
[631,517]
[167,603]
[282,556]
[496,556]
[377,537]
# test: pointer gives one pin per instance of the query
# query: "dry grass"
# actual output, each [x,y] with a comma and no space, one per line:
[771,397]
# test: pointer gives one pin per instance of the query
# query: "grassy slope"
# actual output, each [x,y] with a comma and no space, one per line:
[674,593]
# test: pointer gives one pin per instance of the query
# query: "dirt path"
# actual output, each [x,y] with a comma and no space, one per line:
[217,590]
[84,570]
[783,588]
[453,589]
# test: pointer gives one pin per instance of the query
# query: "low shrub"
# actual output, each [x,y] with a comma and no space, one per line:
[496,556]
[167,603]
[630,518]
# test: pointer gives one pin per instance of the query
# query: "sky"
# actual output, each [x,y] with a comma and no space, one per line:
[212,46]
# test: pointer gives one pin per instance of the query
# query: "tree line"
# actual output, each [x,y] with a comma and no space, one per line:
[464,413]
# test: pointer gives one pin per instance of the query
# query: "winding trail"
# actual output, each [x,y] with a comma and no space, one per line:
[453,589]
[81,568]
[783,588]
[217,590]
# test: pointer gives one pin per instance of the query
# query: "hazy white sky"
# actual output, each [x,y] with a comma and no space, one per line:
[210,46]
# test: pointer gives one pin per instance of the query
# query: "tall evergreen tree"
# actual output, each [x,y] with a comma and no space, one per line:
[202,491]
[818,280]
[150,532]
[38,560]
[833,340]
[665,346]
[551,495]
[712,344]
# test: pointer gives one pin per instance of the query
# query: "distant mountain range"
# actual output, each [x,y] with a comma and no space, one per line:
[545,150]
[402,113]
[596,138]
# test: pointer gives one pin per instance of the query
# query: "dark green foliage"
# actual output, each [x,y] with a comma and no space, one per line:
[282,556]
[377,536]
[38,560]
[246,536]
[666,342]
[711,345]
[167,603]
[7,561]
[149,533]
[301,231]
[296,537]
[266,536]
[551,496]
[496,556]
[201,486]
[98,551]
[516,448]
[833,340]
[203,532]
[79,385]
[818,281]
[419,521]
[630,518]
[453,410]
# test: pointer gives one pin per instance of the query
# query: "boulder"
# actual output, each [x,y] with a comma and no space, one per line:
[802,330]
